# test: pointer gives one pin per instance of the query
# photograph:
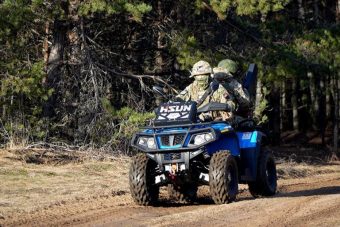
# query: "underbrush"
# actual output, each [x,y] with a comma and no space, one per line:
[108,132]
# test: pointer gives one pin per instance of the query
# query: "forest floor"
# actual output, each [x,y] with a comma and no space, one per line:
[41,188]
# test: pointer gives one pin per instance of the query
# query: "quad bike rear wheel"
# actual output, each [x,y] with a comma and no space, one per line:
[266,180]
[142,180]
[223,177]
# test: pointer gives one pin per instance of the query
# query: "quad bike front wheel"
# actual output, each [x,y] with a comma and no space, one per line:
[223,177]
[142,180]
[266,180]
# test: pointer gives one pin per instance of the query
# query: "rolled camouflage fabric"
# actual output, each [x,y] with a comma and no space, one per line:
[241,95]
[220,70]
[221,74]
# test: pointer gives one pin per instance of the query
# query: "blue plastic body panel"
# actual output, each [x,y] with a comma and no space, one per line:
[250,80]
[245,146]
[250,77]
[225,142]
[250,145]
[249,139]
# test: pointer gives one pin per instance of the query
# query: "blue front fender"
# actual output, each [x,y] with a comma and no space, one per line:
[227,141]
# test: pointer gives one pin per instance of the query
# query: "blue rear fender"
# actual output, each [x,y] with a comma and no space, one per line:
[250,148]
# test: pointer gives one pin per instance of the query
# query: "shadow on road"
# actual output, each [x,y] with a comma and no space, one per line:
[206,200]
[201,201]
[331,190]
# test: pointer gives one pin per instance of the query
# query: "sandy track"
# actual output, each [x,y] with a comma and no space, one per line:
[312,201]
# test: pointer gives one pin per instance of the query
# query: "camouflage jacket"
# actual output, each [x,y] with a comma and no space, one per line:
[194,92]
[241,95]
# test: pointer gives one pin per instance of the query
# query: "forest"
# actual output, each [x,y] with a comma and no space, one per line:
[79,73]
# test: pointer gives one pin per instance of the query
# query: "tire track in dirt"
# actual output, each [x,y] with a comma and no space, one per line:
[312,201]
[306,205]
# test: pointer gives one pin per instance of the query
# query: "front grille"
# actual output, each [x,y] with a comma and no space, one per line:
[165,140]
[178,139]
[172,156]
[172,140]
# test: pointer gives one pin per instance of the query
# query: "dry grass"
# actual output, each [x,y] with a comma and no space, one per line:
[36,179]
[291,169]
[25,186]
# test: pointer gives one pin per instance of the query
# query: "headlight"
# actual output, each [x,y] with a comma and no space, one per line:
[148,142]
[151,143]
[202,138]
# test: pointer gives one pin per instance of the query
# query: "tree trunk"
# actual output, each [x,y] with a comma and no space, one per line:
[276,112]
[75,57]
[337,81]
[336,115]
[159,61]
[314,101]
[54,66]
[4,105]
[258,108]
[301,10]
[322,110]
[337,11]
[328,99]
[283,106]
[295,105]
[258,97]
[316,11]
[45,45]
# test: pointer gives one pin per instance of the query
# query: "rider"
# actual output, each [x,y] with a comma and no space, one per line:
[202,72]
[225,72]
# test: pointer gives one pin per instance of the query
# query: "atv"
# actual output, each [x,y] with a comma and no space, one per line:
[181,152]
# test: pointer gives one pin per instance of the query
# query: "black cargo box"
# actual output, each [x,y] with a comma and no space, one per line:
[175,113]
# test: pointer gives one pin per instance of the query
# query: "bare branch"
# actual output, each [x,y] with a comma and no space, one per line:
[139,77]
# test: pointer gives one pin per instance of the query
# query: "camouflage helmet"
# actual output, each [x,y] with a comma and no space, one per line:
[229,65]
[201,68]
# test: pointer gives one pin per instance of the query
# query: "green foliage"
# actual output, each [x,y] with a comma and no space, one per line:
[22,72]
[259,115]
[27,82]
[129,120]
[136,9]
[242,7]
[320,47]
[188,51]
[246,7]
[13,16]
[316,51]
[220,7]
[111,39]
[23,94]
[100,6]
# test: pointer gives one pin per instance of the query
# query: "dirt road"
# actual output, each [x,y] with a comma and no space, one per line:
[311,201]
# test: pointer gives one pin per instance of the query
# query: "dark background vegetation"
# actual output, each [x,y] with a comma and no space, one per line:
[79,72]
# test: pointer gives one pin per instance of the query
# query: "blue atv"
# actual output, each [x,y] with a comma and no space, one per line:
[182,153]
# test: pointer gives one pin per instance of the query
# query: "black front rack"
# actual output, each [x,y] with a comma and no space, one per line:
[183,125]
